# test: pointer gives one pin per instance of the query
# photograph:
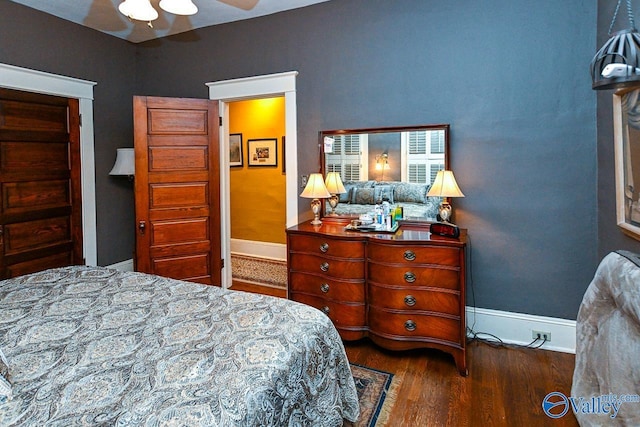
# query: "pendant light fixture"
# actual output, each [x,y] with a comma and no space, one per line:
[617,63]
[142,10]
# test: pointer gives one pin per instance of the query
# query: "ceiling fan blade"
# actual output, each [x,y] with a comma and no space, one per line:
[241,4]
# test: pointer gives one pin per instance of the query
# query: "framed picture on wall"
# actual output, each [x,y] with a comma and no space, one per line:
[235,150]
[626,135]
[262,152]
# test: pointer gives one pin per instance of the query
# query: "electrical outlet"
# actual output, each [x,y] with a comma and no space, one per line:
[303,180]
[541,335]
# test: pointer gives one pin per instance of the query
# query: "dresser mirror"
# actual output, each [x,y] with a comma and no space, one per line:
[394,164]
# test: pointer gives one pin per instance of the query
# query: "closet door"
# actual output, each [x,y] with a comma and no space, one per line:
[41,212]
[177,188]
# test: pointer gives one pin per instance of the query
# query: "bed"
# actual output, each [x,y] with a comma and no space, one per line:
[97,346]
[608,343]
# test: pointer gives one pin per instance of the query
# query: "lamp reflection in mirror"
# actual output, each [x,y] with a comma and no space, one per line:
[444,186]
[334,185]
[382,164]
[125,163]
[315,190]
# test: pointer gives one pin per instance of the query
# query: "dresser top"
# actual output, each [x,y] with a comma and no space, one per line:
[406,233]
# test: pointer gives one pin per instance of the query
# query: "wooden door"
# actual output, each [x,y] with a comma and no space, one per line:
[41,200]
[177,188]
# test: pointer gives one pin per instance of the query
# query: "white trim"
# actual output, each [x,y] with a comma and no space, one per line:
[25,79]
[280,84]
[267,250]
[516,328]
[126,265]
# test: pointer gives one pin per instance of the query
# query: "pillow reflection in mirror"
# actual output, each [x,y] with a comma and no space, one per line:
[363,196]
[383,193]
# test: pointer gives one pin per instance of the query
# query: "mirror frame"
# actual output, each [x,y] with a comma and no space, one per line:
[447,160]
[625,104]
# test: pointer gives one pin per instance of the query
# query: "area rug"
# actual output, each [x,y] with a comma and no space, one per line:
[376,393]
[262,271]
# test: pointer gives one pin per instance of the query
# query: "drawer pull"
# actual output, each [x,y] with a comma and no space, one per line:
[409,277]
[324,266]
[324,287]
[409,255]
[410,325]
[324,247]
[410,300]
[326,310]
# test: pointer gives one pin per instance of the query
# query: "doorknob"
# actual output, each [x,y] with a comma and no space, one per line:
[142,225]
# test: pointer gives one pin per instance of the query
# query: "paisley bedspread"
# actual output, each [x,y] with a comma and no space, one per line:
[96,346]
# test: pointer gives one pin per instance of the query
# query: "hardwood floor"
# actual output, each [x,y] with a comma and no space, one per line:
[505,386]
[238,285]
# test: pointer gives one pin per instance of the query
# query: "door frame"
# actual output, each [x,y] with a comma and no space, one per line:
[28,80]
[265,86]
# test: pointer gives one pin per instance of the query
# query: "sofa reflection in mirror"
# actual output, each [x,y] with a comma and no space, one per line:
[396,165]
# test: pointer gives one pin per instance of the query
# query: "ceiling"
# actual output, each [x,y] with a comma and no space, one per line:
[103,15]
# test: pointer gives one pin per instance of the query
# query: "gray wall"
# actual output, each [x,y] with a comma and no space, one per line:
[610,238]
[510,77]
[35,40]
[512,80]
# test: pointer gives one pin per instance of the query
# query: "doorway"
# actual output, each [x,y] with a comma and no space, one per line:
[12,77]
[257,176]
[274,85]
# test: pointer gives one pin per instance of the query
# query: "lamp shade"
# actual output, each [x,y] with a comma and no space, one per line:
[334,184]
[445,185]
[179,7]
[125,162]
[315,188]
[140,10]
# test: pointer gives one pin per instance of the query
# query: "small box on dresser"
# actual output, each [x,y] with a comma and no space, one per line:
[403,290]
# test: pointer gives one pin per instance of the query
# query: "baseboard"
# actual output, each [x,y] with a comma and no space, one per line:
[268,250]
[126,265]
[517,328]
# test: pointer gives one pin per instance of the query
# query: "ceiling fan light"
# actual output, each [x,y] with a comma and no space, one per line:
[179,7]
[140,10]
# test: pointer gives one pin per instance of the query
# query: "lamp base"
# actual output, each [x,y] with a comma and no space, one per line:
[315,207]
[444,211]
[333,202]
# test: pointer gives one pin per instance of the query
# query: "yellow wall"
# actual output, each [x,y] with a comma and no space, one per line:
[258,203]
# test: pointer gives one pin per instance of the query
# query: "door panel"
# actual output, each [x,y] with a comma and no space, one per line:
[40,189]
[177,188]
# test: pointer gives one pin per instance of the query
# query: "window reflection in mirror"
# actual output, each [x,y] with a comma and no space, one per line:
[396,165]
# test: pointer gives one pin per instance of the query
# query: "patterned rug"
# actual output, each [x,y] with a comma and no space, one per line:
[261,271]
[376,393]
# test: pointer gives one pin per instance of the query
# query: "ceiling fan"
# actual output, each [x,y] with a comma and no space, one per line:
[241,4]
[142,10]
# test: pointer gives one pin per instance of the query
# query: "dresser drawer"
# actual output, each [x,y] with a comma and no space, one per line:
[342,315]
[340,269]
[425,299]
[414,254]
[327,288]
[411,275]
[419,326]
[322,246]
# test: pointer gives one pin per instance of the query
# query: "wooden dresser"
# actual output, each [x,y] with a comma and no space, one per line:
[403,290]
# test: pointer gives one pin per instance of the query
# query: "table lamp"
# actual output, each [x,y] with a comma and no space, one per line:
[315,190]
[444,186]
[334,185]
